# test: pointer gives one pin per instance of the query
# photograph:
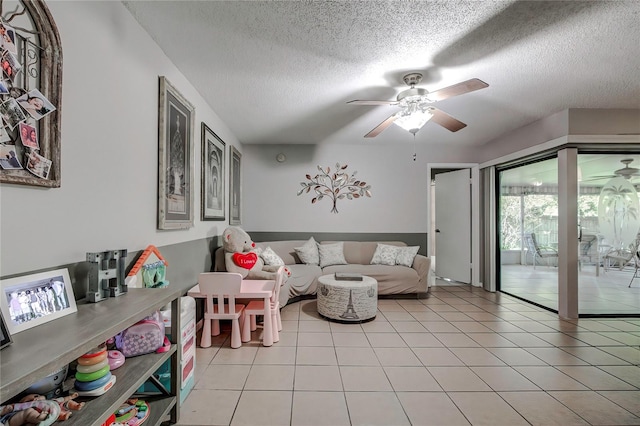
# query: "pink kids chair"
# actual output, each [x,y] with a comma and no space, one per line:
[256,307]
[224,287]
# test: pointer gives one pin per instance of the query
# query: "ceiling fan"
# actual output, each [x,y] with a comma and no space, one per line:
[416,105]
[625,172]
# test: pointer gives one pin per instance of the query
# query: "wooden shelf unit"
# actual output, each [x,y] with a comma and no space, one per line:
[39,351]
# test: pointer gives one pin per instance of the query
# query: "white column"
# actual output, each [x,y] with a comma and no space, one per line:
[568,233]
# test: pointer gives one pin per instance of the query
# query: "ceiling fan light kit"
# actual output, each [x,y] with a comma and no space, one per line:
[416,109]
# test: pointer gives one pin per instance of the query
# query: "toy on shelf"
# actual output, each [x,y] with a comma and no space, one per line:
[93,376]
[115,359]
[149,270]
[132,413]
[106,275]
[39,412]
[66,403]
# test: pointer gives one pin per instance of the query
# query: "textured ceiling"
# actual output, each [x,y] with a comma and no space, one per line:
[282,72]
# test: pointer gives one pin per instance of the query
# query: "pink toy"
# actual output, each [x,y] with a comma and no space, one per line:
[116,359]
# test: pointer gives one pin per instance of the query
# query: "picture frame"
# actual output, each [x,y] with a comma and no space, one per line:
[31,300]
[213,175]
[5,336]
[235,188]
[176,116]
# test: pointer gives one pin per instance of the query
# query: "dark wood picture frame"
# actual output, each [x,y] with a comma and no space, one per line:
[213,175]
[175,158]
[5,336]
[235,187]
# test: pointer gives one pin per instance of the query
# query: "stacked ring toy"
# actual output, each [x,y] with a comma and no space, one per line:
[93,376]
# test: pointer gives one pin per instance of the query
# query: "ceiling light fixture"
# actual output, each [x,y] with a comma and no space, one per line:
[413,117]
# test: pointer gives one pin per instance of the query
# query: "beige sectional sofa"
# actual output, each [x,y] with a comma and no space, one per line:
[392,279]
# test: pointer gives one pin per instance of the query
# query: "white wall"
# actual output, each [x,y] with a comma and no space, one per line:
[398,185]
[109,148]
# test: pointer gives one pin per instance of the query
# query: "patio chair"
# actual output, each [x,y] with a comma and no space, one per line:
[620,258]
[588,250]
[537,251]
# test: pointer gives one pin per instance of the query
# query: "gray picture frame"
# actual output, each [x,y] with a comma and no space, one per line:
[176,117]
[213,196]
[235,187]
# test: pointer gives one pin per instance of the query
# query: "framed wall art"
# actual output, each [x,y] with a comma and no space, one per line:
[175,158]
[235,188]
[5,336]
[31,300]
[213,175]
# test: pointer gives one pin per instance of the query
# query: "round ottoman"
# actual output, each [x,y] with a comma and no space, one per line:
[347,301]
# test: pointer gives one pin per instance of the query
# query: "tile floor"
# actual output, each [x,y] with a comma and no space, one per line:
[461,356]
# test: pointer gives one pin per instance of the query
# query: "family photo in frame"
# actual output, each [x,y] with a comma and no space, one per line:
[31,300]
[213,175]
[175,158]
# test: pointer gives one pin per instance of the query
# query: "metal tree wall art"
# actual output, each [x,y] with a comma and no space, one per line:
[336,186]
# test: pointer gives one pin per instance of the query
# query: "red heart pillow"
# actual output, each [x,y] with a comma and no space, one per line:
[245,260]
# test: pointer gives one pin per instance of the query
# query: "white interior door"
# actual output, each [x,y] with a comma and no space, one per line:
[453,225]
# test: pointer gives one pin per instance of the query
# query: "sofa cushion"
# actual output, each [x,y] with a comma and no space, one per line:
[271,258]
[308,253]
[385,255]
[331,254]
[284,249]
[361,252]
[406,255]
[391,279]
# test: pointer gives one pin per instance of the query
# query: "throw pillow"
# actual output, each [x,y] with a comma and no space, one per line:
[331,254]
[308,253]
[385,255]
[271,258]
[406,255]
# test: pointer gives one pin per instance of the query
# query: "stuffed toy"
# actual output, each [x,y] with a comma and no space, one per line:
[36,412]
[240,256]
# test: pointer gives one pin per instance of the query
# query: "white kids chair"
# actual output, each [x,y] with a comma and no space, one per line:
[256,307]
[223,287]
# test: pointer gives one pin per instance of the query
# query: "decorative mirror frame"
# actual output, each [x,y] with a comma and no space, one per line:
[50,85]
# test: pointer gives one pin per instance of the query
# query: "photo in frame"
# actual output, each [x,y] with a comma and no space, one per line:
[213,175]
[31,300]
[235,188]
[175,158]
[5,336]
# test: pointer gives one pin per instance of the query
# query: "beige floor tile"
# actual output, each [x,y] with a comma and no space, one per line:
[224,377]
[398,315]
[593,338]
[501,326]
[482,316]
[208,407]
[456,340]
[375,409]
[399,357]
[443,307]
[337,327]
[595,408]
[629,400]
[532,326]
[431,408]
[470,327]
[317,378]
[550,378]
[409,326]
[504,379]
[314,339]
[270,377]
[595,379]
[626,353]
[365,379]
[421,340]
[491,340]
[357,356]
[555,356]
[288,338]
[595,356]
[540,409]
[289,325]
[358,339]
[316,356]
[486,408]
[440,327]
[437,357]
[411,379]
[289,314]
[455,316]
[319,409]
[628,373]
[385,340]
[243,355]
[526,340]
[427,316]
[560,339]
[276,355]
[458,379]
[271,408]
[516,356]
[476,356]
[377,326]
[313,326]
[205,355]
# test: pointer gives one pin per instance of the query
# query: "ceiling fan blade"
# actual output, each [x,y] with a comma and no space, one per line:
[457,89]
[596,178]
[381,127]
[446,121]
[358,102]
